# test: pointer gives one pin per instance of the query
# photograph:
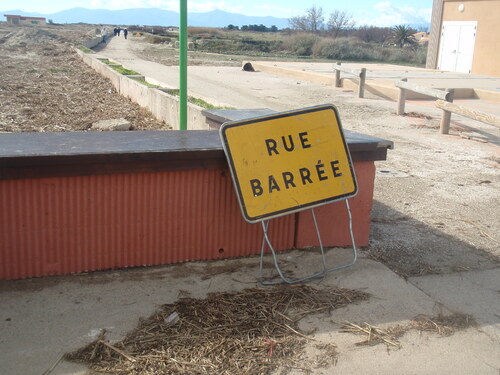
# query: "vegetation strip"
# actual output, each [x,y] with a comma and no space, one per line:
[197,101]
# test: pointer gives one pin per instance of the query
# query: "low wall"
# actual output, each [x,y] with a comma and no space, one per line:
[163,106]
[96,41]
[385,90]
[75,202]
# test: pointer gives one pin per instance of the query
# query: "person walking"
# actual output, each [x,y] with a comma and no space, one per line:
[125,33]
[103,34]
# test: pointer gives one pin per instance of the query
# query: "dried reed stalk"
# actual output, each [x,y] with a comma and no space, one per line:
[254,331]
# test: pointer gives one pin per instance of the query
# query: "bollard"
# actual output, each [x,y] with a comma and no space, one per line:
[361,87]
[444,127]
[337,75]
[401,99]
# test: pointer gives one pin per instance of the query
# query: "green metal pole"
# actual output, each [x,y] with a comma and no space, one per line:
[183,66]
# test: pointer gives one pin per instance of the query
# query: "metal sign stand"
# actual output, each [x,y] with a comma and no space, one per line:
[316,275]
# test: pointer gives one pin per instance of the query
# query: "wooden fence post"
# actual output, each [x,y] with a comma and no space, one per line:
[444,127]
[401,99]
[361,87]
[337,75]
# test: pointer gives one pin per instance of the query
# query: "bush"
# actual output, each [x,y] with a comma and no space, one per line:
[157,39]
[421,54]
[354,49]
[204,31]
[239,46]
[301,44]
[405,55]
[344,49]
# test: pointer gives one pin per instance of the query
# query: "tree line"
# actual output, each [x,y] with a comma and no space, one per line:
[259,28]
[340,24]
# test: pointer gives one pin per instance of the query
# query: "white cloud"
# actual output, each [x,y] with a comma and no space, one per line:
[386,14]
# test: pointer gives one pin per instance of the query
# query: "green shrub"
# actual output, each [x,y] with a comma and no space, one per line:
[301,44]
[344,49]
[421,55]
[354,49]
[245,45]
[405,55]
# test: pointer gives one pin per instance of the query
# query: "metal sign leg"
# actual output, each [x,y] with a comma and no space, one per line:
[319,274]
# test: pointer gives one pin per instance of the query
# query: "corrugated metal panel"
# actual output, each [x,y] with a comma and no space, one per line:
[62,225]
[333,220]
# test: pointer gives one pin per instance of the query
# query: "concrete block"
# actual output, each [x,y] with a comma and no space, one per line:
[113,124]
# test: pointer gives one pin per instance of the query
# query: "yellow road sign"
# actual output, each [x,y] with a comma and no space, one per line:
[289,161]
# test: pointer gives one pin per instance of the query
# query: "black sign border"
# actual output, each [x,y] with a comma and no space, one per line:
[298,208]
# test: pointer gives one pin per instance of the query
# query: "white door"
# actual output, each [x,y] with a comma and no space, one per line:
[457,46]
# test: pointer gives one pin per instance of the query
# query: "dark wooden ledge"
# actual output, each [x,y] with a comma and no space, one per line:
[37,155]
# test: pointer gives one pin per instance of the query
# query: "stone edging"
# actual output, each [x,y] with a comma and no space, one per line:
[163,106]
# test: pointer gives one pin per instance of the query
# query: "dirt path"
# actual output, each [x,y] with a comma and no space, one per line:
[436,198]
[46,87]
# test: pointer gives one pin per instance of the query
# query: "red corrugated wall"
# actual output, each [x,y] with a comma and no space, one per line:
[72,224]
[333,220]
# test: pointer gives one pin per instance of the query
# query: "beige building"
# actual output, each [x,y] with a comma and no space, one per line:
[21,20]
[421,37]
[465,36]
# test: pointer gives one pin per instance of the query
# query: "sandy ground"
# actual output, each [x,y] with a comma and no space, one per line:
[435,224]
[44,85]
[436,197]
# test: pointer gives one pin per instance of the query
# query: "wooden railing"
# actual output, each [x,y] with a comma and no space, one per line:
[446,96]
[484,117]
[360,73]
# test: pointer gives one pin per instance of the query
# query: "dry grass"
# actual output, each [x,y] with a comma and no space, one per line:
[211,31]
[254,331]
[444,325]
[375,335]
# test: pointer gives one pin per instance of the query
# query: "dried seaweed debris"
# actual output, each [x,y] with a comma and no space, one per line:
[254,331]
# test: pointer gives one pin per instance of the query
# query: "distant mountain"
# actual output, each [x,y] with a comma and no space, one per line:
[219,18]
[153,17]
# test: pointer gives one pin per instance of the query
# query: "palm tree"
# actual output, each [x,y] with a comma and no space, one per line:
[402,35]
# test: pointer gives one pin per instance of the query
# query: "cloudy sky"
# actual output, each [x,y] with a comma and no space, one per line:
[369,12]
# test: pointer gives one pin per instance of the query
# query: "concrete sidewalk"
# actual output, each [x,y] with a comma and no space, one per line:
[44,318]
[275,82]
